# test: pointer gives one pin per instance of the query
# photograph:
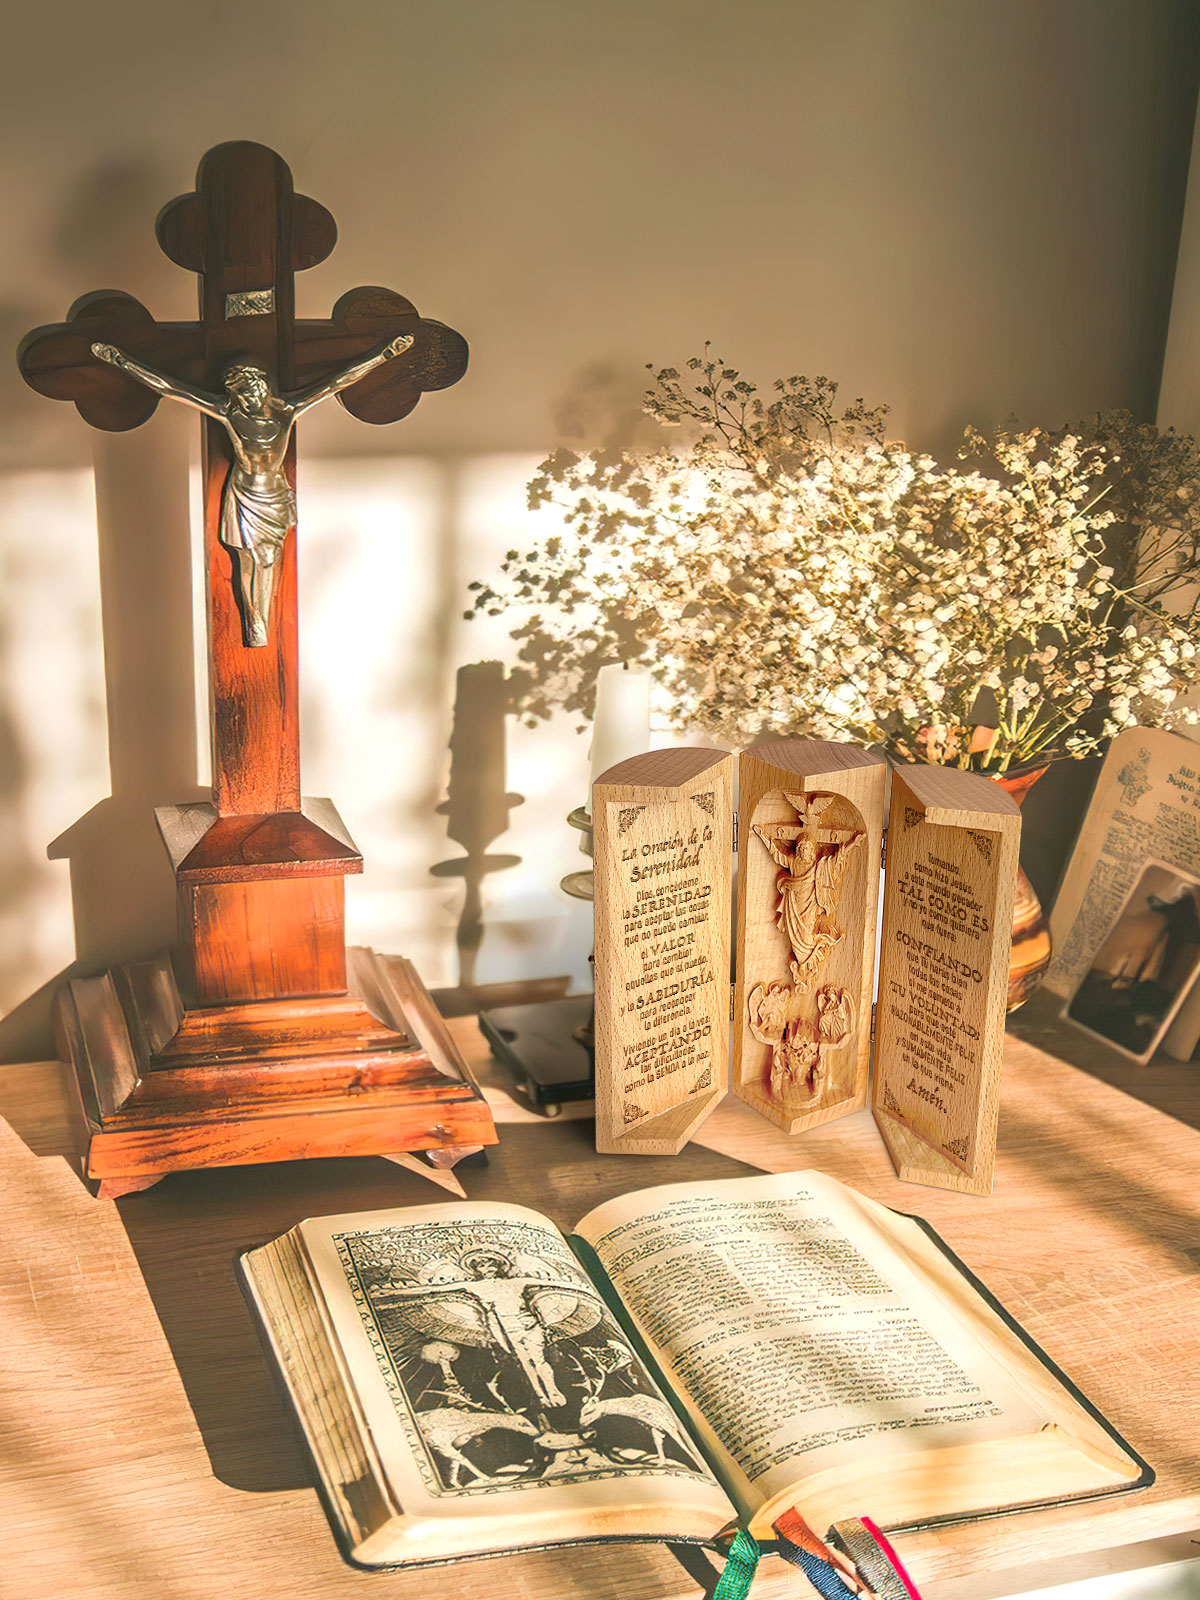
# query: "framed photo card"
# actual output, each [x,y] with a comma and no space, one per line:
[1146,965]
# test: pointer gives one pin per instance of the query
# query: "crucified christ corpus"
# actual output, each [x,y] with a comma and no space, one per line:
[258,506]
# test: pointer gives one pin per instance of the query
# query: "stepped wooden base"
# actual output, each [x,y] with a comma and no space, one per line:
[166,1088]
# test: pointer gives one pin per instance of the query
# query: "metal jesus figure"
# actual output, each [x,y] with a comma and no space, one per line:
[258,505]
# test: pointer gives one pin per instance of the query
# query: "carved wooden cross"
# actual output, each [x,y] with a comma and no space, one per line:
[266,1039]
[246,233]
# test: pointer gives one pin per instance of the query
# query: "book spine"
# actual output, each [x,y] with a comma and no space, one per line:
[603,1284]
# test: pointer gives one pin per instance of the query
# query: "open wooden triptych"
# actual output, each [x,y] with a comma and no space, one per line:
[788,1023]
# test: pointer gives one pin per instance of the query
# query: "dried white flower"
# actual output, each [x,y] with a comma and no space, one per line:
[785,565]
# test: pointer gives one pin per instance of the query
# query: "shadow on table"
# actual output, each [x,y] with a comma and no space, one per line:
[188,1232]
[699,1567]
[1169,1086]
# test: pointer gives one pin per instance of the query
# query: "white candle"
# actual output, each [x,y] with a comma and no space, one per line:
[878,934]
[622,723]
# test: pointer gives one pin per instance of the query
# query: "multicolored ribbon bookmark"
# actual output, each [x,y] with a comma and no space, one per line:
[876,1574]
[876,1562]
[741,1563]
[826,1572]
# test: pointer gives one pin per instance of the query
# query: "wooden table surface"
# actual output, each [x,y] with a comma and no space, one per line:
[145,1452]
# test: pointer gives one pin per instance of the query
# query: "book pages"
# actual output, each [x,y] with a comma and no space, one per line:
[798,1336]
[491,1373]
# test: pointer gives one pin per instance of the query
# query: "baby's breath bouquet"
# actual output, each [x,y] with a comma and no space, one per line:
[782,565]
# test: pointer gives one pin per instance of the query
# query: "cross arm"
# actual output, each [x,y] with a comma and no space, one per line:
[779,830]
[303,399]
[57,360]
[363,321]
[161,383]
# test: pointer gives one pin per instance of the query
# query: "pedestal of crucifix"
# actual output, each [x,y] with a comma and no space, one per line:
[264,1039]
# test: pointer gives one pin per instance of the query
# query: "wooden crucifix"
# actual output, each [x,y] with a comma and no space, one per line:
[258,1043]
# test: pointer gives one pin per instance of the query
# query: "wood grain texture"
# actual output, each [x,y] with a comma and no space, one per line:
[207,848]
[147,1451]
[320,1128]
[843,789]
[663,837]
[953,843]
[161,1088]
[362,320]
[244,230]
[264,940]
[57,359]
[255,693]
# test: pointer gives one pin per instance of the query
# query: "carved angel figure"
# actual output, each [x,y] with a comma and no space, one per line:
[814,862]
[835,1016]
[769,1006]
[798,1048]
[258,507]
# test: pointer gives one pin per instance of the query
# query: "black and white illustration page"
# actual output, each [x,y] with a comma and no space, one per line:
[490,1370]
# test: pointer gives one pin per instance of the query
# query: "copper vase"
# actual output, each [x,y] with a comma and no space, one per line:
[1031,946]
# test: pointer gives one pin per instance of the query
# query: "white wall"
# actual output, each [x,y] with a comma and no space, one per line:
[966,209]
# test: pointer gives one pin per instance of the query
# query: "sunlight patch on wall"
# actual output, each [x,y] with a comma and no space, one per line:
[533,929]
[53,728]
[386,550]
[387,547]
[372,671]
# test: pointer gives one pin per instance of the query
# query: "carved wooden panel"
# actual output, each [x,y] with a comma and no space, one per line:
[953,840]
[663,841]
[810,819]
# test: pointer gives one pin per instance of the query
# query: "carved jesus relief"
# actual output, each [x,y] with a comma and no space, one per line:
[814,860]
[806,1020]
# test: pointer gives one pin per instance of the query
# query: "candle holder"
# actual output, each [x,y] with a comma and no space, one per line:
[549,1047]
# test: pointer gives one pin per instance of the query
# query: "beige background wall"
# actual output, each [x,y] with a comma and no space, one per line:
[965,209]
[1179,393]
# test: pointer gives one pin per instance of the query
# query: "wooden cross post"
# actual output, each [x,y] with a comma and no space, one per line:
[260,871]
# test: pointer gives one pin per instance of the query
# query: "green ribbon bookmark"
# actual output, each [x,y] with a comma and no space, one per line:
[740,1566]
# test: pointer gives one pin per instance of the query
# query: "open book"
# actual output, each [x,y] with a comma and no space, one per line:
[470,1381]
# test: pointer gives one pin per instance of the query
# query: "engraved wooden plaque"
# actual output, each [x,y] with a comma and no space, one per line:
[953,840]
[810,827]
[663,834]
